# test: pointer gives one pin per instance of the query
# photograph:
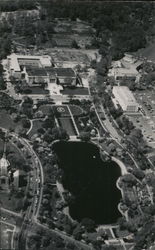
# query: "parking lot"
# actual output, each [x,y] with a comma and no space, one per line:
[146,118]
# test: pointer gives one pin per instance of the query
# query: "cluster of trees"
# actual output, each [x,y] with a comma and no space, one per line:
[35,31]
[109,105]
[46,240]
[5,39]
[146,81]
[9,5]
[27,107]
[117,29]
[6,101]
[2,83]
[49,131]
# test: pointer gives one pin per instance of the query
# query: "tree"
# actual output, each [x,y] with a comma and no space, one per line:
[138,173]
[75,45]
[77,233]
[85,136]
[129,180]
[25,123]
[89,224]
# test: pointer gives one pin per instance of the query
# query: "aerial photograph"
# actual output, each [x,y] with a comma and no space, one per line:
[77,125]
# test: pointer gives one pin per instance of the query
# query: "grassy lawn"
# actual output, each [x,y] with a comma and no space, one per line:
[62,110]
[37,124]
[38,91]
[6,121]
[45,109]
[76,111]
[10,203]
[66,123]
[76,91]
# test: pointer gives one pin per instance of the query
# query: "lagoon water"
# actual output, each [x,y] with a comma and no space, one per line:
[90,180]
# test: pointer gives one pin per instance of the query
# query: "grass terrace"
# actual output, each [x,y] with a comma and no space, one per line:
[45,109]
[36,91]
[62,111]
[76,111]
[67,124]
[37,124]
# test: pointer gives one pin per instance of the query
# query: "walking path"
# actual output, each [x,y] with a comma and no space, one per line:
[61,190]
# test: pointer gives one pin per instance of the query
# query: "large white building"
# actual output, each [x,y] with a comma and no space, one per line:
[16,63]
[124,97]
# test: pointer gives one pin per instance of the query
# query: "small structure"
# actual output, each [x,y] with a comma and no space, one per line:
[4,176]
[124,97]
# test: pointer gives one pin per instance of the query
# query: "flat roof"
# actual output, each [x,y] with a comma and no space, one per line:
[36,71]
[66,72]
[14,64]
[76,91]
[125,94]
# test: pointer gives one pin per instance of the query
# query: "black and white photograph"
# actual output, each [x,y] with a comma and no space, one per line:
[77,125]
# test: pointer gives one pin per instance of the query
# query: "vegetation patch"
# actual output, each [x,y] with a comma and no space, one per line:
[37,124]
[76,111]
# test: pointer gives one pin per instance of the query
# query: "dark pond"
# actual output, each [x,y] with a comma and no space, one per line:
[90,180]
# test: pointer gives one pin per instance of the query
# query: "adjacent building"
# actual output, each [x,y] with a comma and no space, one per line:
[124,97]
[17,63]
[38,71]
[63,76]
[125,68]
[35,76]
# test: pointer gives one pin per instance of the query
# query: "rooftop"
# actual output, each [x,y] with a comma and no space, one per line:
[126,66]
[75,91]
[45,60]
[64,72]
[124,93]
[36,71]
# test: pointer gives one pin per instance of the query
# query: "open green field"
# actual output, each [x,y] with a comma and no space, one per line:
[76,111]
